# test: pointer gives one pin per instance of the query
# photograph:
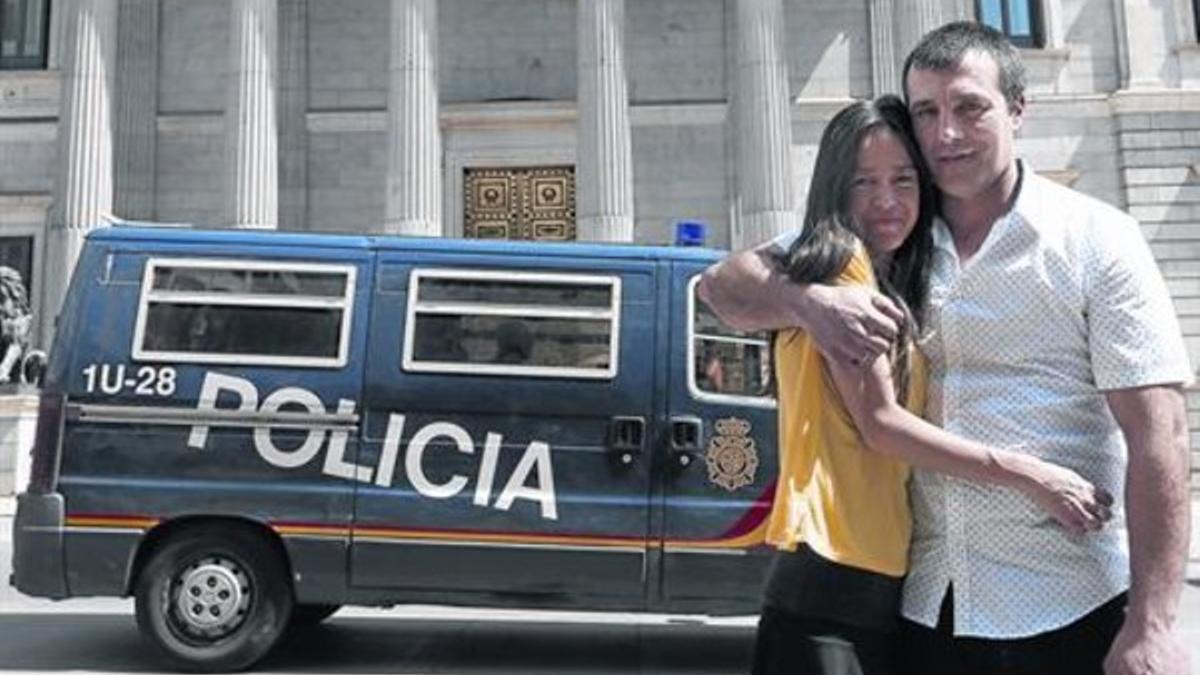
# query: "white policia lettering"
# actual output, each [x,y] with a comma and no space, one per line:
[536,457]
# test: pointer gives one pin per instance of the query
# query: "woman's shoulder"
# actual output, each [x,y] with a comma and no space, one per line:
[858,270]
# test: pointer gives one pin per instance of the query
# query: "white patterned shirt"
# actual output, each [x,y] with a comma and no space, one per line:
[1062,302]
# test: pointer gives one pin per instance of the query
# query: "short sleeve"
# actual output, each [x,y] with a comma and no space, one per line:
[1133,333]
[858,271]
[781,244]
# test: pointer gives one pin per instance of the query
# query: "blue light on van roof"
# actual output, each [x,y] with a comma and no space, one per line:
[689,233]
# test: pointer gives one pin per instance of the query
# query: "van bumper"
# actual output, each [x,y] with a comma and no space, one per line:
[37,562]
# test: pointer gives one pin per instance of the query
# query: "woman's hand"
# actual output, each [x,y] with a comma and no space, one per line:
[1070,499]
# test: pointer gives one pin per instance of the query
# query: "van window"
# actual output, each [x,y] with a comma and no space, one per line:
[512,323]
[726,365]
[246,312]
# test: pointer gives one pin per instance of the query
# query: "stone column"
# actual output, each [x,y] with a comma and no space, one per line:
[913,21]
[414,180]
[1146,37]
[766,189]
[251,128]
[885,64]
[604,159]
[916,18]
[137,109]
[83,192]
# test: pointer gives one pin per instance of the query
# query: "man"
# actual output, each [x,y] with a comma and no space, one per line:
[1050,329]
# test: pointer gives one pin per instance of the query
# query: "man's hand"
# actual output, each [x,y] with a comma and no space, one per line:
[1141,649]
[851,325]
[1154,422]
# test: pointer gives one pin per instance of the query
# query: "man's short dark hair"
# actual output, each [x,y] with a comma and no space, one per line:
[943,49]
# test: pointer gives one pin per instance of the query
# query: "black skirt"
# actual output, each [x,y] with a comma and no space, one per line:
[804,584]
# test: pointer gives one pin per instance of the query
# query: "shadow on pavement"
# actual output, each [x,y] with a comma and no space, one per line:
[107,643]
[65,641]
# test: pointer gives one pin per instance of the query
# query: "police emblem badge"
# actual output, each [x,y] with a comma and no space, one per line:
[731,458]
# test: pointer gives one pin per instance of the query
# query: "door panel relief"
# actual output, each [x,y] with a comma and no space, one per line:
[535,203]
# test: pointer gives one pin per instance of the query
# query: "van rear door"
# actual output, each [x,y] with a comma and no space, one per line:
[508,400]
[207,383]
[720,459]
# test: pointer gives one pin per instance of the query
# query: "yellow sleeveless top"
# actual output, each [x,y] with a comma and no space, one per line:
[846,502]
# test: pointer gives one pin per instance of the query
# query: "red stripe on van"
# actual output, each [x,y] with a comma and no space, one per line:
[755,516]
[113,521]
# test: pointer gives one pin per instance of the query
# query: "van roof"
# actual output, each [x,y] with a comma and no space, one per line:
[149,232]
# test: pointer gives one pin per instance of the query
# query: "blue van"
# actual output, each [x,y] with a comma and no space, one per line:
[247,430]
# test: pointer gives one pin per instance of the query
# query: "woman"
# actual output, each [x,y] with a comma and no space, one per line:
[841,517]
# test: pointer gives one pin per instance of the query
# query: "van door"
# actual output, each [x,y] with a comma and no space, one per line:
[720,460]
[508,399]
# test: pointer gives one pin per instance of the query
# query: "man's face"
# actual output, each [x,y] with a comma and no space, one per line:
[964,126]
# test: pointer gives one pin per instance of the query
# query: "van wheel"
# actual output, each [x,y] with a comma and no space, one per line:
[311,615]
[214,599]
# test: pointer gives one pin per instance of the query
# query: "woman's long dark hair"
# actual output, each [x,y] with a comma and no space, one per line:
[830,236]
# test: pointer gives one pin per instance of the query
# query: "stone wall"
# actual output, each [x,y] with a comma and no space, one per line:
[675,51]
[499,50]
[829,48]
[347,167]
[1159,139]
[189,155]
[348,54]
[679,171]
[194,51]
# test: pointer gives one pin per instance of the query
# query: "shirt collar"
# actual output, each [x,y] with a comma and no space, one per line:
[1028,205]
[1025,207]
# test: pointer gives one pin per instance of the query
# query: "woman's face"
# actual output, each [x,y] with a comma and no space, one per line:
[885,196]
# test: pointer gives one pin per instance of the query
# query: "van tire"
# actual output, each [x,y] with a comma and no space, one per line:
[242,598]
[310,615]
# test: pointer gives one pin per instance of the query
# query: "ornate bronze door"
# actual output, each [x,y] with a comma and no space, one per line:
[520,203]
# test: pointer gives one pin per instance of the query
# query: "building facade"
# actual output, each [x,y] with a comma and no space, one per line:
[544,119]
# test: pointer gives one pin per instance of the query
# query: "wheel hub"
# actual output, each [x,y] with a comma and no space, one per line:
[212,596]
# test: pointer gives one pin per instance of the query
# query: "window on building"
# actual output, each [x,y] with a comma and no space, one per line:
[726,363]
[1020,20]
[512,323]
[17,253]
[202,311]
[24,32]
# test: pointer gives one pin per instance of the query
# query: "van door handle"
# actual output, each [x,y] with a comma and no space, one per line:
[686,433]
[626,438]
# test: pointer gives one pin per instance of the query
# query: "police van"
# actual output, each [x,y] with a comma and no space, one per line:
[247,430]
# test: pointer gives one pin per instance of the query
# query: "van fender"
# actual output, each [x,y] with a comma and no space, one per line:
[167,529]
